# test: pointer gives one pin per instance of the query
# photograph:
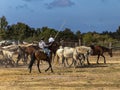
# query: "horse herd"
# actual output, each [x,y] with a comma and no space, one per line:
[77,54]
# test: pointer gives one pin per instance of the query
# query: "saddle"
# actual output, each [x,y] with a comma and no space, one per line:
[46,51]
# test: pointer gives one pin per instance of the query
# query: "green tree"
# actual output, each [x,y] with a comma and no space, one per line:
[68,35]
[3,25]
[3,22]
[78,34]
[46,32]
[88,38]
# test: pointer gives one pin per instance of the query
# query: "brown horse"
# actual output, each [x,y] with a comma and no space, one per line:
[24,52]
[99,50]
[40,55]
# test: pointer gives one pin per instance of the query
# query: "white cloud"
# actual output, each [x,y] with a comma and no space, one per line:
[60,3]
[31,0]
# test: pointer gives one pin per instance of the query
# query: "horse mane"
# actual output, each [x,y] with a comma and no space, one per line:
[53,44]
[92,46]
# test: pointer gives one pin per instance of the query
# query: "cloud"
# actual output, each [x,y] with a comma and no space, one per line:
[60,3]
[22,6]
[104,1]
[31,0]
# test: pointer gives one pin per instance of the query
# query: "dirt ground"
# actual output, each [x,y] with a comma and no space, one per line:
[90,77]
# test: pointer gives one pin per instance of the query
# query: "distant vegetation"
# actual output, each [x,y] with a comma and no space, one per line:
[23,32]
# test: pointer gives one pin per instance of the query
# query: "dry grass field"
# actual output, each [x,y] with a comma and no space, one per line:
[93,77]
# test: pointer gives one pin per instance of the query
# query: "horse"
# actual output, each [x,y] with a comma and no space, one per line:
[53,47]
[7,55]
[40,55]
[99,51]
[77,54]
[65,53]
[24,52]
[84,52]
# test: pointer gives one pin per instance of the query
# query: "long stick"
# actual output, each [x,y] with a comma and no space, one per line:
[59,30]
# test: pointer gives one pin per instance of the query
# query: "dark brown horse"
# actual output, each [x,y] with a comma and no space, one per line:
[53,47]
[40,55]
[99,50]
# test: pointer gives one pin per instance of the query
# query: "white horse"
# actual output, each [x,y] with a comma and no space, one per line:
[8,56]
[63,54]
[78,54]
[84,51]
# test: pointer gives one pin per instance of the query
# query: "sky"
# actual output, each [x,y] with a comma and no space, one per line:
[83,15]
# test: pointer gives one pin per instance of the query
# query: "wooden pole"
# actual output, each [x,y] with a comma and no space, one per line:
[59,29]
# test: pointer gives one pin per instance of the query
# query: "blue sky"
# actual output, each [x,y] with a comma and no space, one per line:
[83,15]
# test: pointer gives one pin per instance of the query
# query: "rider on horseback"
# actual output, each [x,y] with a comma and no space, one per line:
[44,47]
[51,39]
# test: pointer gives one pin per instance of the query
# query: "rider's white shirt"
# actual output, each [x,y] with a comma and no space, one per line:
[42,44]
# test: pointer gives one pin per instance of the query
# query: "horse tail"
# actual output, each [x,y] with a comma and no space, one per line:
[32,60]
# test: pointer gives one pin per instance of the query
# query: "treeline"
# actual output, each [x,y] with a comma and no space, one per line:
[23,32]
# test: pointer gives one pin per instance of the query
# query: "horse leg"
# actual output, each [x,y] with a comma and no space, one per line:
[25,58]
[38,64]
[98,59]
[5,62]
[30,69]
[50,66]
[18,59]
[104,59]
[33,58]
[65,60]
[73,62]
[81,59]
[87,60]
[11,61]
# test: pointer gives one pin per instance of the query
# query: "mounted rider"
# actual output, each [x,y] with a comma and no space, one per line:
[44,46]
[51,39]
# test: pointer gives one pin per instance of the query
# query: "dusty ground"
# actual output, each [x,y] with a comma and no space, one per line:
[92,77]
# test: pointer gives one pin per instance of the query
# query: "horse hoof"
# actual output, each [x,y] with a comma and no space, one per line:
[52,72]
[88,63]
